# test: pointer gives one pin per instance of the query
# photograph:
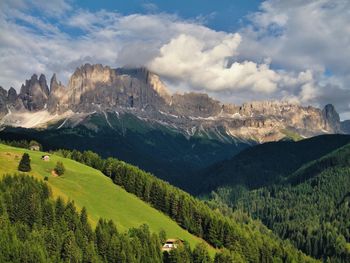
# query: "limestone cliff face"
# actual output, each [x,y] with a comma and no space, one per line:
[195,105]
[89,83]
[97,88]
[293,115]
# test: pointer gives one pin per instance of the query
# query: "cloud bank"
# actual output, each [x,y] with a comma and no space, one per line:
[296,50]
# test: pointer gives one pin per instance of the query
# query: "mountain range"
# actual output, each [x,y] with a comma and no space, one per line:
[100,89]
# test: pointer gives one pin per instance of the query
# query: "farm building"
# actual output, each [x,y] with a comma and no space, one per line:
[45,158]
[34,148]
[171,244]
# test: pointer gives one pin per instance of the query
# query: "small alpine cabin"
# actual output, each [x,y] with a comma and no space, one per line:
[171,244]
[45,158]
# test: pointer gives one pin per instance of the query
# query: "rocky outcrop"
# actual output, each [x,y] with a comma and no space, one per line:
[35,93]
[93,87]
[331,118]
[98,88]
[294,116]
[3,102]
[89,84]
[345,126]
[58,99]
[195,105]
[12,96]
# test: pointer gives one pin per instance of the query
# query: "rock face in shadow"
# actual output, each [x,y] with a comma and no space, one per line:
[12,96]
[331,118]
[98,88]
[3,102]
[35,93]
[345,126]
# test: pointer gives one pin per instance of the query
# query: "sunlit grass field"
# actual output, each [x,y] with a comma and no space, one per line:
[90,188]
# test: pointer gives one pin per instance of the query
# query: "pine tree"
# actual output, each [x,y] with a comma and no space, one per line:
[223,257]
[24,164]
[70,251]
[200,254]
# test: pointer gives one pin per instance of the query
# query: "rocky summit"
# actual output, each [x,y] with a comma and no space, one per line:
[98,89]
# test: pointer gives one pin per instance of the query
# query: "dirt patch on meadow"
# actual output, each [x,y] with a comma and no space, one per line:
[10,155]
[54,174]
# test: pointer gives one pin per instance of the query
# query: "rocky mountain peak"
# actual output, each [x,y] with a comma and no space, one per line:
[53,81]
[12,95]
[3,92]
[90,73]
[331,118]
[43,84]
[34,94]
[87,80]
[54,84]
[58,98]
[3,102]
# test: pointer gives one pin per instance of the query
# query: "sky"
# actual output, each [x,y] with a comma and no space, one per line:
[234,50]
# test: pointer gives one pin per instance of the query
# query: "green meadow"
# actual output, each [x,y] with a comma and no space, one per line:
[90,188]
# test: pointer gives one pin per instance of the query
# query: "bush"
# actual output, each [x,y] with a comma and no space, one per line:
[59,169]
[24,164]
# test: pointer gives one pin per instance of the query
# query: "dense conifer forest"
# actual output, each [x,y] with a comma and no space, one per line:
[310,207]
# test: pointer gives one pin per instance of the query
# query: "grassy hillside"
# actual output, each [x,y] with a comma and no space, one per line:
[90,188]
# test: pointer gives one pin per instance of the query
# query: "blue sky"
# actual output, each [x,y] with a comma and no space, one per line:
[226,15]
[236,51]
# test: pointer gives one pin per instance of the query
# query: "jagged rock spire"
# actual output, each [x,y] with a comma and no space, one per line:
[35,93]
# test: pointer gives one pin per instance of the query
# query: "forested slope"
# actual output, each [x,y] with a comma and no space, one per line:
[311,207]
[248,240]
[268,163]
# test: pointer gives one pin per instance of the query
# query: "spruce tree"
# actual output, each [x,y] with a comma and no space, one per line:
[200,254]
[24,164]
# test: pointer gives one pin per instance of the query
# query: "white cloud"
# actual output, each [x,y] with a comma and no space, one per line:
[54,8]
[305,35]
[285,53]
[205,66]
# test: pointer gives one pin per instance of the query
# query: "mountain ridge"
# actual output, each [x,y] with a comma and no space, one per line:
[98,88]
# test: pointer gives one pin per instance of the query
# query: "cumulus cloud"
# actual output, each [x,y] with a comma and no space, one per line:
[206,65]
[295,50]
[305,35]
